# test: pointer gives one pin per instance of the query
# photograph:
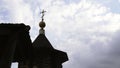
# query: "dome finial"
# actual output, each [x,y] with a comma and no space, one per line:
[42,23]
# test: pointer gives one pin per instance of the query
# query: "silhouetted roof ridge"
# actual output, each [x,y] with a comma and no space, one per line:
[14,26]
[12,23]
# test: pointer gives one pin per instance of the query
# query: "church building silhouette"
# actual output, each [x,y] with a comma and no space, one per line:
[16,46]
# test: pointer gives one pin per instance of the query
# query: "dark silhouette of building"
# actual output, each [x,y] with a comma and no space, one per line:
[16,46]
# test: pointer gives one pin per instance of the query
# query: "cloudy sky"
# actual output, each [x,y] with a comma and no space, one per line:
[88,30]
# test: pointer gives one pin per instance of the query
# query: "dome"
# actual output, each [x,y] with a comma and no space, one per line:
[42,24]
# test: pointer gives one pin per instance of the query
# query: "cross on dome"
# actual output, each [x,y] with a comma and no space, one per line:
[43,13]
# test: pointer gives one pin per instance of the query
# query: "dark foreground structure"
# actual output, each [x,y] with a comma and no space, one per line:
[16,46]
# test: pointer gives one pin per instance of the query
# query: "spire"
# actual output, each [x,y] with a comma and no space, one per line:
[42,23]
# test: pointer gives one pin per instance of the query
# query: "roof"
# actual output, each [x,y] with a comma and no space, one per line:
[41,42]
[60,56]
[43,47]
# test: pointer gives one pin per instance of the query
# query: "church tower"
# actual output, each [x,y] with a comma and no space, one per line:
[45,56]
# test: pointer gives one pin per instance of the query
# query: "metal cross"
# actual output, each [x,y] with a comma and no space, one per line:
[43,13]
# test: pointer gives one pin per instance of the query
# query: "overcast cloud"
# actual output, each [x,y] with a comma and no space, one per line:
[88,30]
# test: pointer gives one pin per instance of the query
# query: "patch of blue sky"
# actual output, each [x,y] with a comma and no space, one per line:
[14,65]
[71,1]
[113,5]
[4,14]
[1,2]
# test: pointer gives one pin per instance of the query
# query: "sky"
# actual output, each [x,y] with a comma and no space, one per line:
[88,30]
